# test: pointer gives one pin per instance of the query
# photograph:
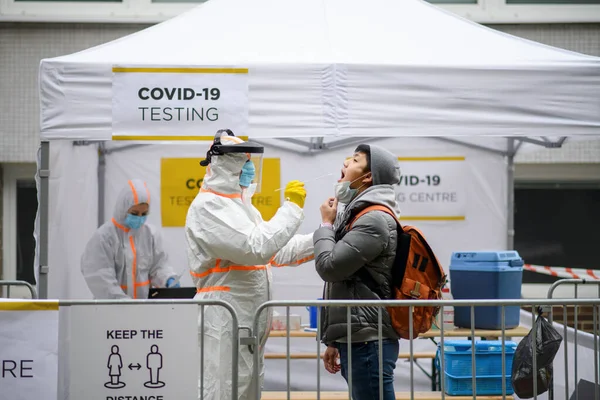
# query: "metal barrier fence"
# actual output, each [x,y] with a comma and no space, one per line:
[8,284]
[202,303]
[471,333]
[575,283]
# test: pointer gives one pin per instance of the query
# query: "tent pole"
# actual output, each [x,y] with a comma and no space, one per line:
[546,144]
[101,181]
[44,174]
[510,238]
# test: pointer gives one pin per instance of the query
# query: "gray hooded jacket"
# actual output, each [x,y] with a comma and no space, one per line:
[340,254]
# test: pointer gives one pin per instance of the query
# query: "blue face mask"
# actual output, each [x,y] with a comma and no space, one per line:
[135,221]
[247,175]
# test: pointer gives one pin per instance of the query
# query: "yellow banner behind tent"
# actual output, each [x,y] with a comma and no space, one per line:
[181,178]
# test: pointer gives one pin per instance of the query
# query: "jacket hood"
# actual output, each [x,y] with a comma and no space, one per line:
[133,193]
[384,166]
[383,195]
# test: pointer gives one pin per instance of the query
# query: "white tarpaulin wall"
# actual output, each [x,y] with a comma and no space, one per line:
[73,204]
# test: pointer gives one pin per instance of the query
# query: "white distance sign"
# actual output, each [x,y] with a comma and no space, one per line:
[432,188]
[178,103]
[134,352]
[28,350]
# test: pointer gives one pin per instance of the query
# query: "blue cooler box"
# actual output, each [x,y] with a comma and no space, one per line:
[486,275]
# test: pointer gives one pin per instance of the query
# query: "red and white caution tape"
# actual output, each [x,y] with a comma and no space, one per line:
[570,273]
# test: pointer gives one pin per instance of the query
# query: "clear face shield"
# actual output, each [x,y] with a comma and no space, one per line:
[257,163]
[249,153]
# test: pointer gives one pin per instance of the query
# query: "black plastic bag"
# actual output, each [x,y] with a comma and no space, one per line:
[548,342]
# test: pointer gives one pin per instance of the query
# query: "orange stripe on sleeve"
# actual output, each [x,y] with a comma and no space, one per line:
[298,262]
[214,289]
[218,269]
[229,196]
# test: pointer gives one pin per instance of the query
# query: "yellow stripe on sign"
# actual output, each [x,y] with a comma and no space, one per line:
[441,218]
[36,305]
[431,158]
[173,138]
[183,70]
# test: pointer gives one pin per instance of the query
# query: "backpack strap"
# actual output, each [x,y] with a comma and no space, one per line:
[376,207]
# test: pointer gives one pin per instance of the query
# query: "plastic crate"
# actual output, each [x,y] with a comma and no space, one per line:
[488,367]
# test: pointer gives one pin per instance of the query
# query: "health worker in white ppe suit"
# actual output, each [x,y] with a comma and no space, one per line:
[231,251]
[125,255]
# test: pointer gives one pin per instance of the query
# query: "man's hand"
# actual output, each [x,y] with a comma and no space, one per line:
[330,358]
[329,210]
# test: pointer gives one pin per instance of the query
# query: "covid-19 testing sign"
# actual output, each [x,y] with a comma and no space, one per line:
[178,103]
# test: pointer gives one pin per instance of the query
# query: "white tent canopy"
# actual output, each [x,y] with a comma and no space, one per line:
[332,71]
[342,68]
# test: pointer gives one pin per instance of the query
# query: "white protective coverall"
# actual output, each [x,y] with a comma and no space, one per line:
[121,263]
[231,251]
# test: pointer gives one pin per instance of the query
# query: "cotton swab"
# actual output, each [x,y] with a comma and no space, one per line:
[310,180]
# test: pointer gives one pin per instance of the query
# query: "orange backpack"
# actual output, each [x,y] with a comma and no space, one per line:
[416,275]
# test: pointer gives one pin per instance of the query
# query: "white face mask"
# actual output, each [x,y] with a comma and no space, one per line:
[344,193]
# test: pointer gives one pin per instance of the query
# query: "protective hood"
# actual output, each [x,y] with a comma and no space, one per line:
[133,193]
[223,172]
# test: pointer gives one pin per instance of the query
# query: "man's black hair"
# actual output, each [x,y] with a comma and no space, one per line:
[365,149]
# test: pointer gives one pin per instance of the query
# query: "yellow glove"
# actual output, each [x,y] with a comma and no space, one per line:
[295,192]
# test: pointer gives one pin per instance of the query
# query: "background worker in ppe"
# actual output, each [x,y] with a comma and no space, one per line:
[125,255]
[231,251]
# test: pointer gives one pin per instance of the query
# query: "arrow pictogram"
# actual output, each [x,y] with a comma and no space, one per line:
[136,366]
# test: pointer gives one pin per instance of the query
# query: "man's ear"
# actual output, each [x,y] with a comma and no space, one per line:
[368,179]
